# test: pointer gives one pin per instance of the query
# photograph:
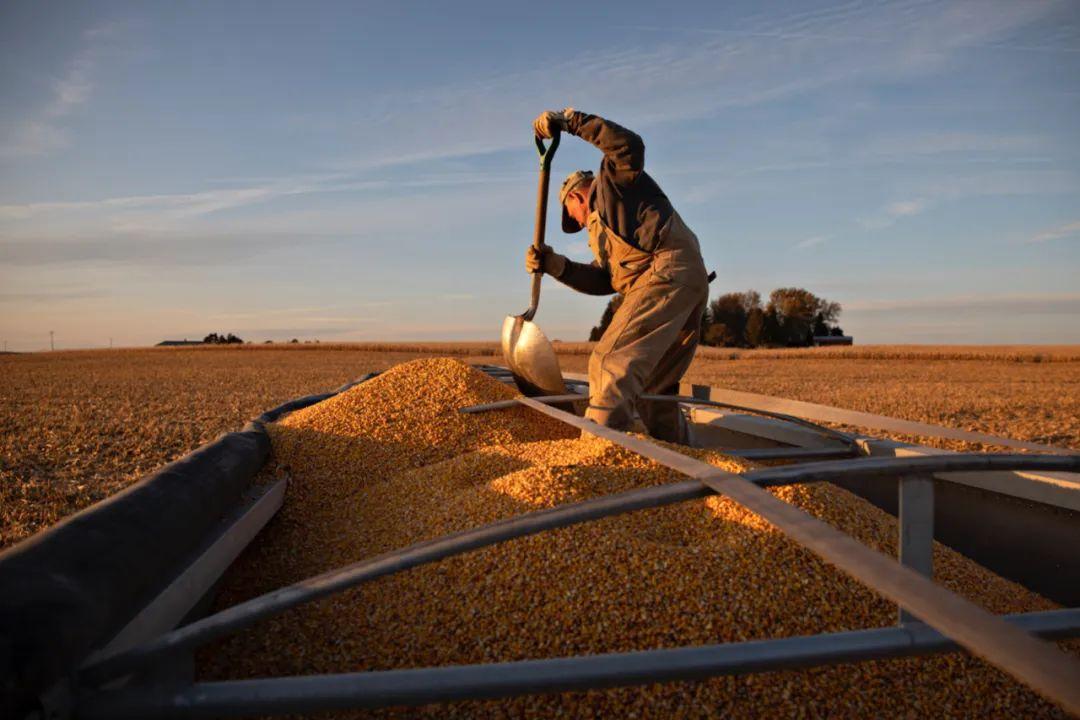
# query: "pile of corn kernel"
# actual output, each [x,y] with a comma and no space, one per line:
[392,462]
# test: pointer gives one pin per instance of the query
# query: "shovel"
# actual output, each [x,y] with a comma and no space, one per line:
[527,351]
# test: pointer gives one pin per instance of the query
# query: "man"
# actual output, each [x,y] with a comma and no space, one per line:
[644,252]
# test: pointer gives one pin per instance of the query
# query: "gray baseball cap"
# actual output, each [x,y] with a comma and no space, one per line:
[569,224]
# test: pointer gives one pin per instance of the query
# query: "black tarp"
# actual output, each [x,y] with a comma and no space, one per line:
[69,589]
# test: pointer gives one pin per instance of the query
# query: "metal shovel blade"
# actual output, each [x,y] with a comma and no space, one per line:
[531,358]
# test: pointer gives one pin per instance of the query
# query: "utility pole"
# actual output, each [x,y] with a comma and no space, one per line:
[52,345]
[110,343]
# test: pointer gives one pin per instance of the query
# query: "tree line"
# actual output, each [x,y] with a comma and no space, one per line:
[791,317]
[215,339]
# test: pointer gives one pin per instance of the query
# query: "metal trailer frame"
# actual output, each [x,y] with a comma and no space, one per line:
[120,680]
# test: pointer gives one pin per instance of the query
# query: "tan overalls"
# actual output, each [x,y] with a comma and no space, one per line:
[651,340]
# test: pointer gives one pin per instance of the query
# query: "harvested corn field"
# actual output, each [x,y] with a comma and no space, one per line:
[391,462]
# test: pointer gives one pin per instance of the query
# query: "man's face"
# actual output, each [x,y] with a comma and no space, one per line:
[577,204]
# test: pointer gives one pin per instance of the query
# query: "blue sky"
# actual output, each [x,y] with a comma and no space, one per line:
[364,171]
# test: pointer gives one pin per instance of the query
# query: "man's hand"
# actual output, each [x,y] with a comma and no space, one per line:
[547,122]
[544,260]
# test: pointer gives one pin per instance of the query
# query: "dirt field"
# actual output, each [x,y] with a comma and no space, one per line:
[76,427]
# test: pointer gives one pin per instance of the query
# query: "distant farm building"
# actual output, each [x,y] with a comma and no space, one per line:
[175,343]
[834,340]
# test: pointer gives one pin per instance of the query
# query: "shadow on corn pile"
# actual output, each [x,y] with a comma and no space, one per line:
[391,462]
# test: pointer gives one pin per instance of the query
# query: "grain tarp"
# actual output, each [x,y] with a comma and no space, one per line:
[68,590]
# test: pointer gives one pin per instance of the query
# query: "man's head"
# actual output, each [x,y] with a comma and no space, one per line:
[574,196]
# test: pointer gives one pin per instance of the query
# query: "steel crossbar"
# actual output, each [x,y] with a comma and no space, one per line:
[848,441]
[827,413]
[844,438]
[419,686]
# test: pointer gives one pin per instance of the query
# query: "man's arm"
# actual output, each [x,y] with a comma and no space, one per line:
[623,149]
[586,278]
[590,279]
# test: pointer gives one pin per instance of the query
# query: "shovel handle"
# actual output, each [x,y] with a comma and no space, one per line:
[546,154]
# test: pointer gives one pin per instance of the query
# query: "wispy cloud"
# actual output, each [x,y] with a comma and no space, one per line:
[274,238]
[998,182]
[853,24]
[810,242]
[177,206]
[905,208]
[181,230]
[971,146]
[43,133]
[31,137]
[150,249]
[52,297]
[1071,229]
[1059,303]
[683,73]
[893,212]
[955,186]
[271,312]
